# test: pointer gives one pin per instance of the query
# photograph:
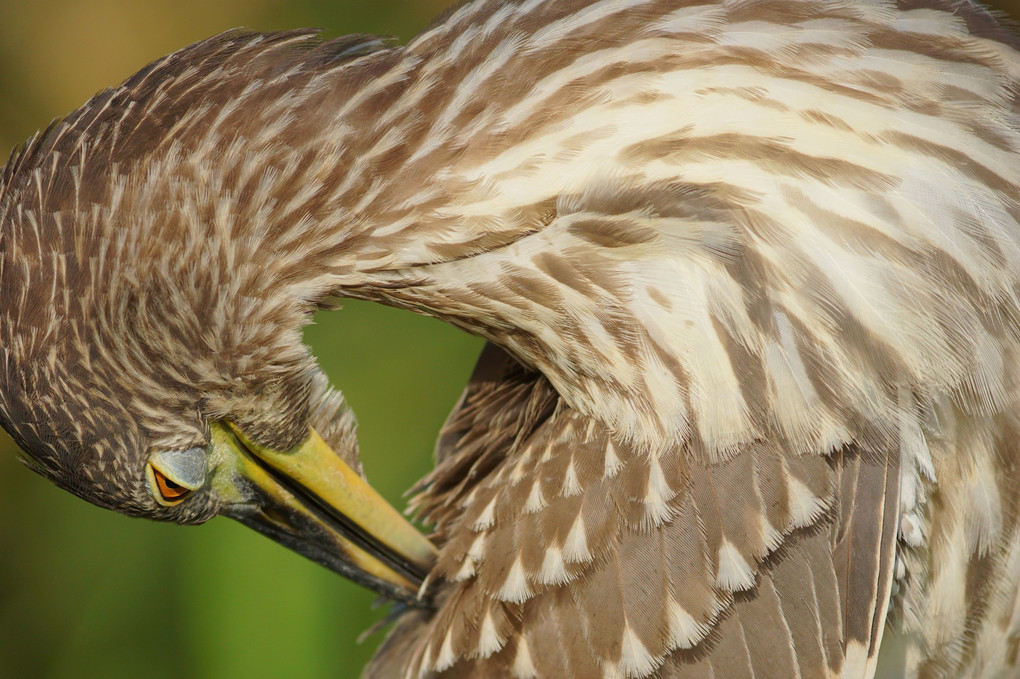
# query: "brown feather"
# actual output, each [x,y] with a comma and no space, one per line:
[749,271]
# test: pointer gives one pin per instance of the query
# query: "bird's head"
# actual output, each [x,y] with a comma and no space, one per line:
[151,358]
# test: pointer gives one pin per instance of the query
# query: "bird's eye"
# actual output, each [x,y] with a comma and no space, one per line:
[173,475]
[167,490]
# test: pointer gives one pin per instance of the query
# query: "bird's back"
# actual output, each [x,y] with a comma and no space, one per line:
[760,262]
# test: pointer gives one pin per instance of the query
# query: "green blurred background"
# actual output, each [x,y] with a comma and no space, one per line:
[87,593]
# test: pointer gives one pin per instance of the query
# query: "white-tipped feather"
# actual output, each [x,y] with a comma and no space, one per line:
[515,587]
[575,547]
[523,667]
[734,574]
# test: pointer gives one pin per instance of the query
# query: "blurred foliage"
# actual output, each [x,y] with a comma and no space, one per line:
[87,593]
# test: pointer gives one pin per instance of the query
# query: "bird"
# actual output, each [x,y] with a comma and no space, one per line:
[747,272]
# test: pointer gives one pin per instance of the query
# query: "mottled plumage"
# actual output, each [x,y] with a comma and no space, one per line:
[750,275]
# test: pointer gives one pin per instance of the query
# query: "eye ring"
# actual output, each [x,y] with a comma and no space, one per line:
[173,475]
[164,489]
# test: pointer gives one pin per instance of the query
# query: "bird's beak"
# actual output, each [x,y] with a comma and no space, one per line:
[311,501]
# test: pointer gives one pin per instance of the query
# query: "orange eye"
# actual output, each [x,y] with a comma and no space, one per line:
[166,491]
[174,474]
[167,488]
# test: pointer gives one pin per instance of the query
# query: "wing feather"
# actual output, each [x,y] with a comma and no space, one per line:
[713,582]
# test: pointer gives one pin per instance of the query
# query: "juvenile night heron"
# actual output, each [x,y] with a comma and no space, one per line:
[750,275]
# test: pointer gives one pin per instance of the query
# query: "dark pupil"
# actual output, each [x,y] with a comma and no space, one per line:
[171,485]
